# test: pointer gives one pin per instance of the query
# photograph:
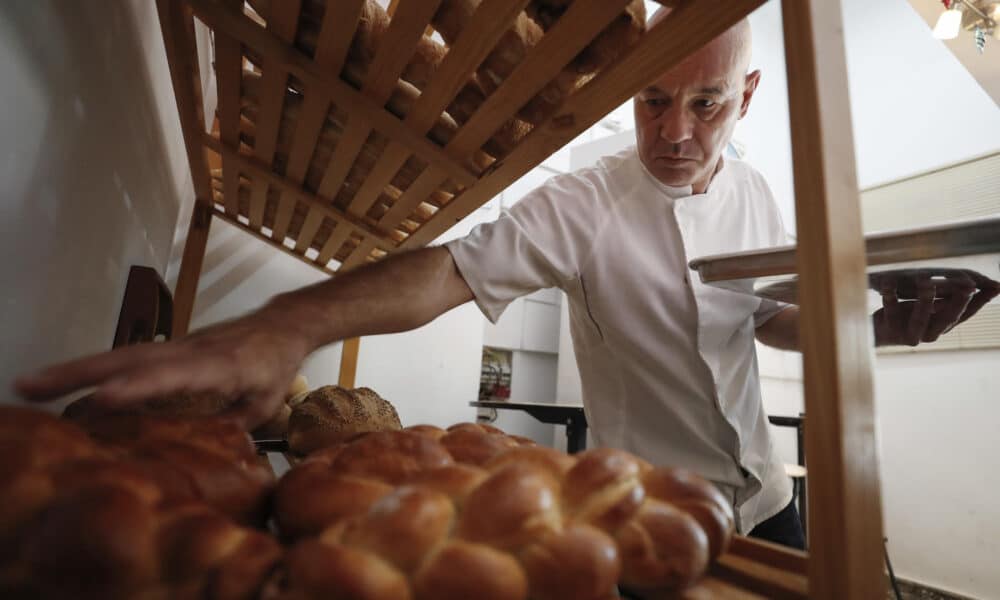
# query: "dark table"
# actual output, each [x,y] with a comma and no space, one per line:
[570,415]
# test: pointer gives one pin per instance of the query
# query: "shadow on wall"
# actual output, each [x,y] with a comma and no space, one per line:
[88,189]
[232,262]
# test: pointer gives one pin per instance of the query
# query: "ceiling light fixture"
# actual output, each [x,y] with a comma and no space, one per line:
[980,17]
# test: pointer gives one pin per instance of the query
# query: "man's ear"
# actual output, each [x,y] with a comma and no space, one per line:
[748,90]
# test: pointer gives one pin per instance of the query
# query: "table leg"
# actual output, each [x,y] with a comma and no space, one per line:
[576,435]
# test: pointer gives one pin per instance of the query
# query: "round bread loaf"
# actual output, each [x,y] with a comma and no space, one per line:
[332,414]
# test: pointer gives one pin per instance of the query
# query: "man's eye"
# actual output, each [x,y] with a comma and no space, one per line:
[656,102]
[705,103]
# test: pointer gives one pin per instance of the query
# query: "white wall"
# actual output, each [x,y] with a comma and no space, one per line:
[914,107]
[93,171]
[430,374]
[939,423]
[240,274]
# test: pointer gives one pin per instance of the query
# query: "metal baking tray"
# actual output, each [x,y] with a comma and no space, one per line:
[972,245]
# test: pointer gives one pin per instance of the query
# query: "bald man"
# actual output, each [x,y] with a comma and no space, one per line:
[668,365]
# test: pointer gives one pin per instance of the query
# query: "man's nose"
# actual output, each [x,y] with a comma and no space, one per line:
[676,125]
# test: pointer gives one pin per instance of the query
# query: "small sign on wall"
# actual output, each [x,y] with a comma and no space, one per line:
[495,374]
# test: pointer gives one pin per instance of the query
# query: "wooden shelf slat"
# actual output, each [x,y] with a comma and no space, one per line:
[690,26]
[419,190]
[479,37]
[344,154]
[282,22]
[782,557]
[311,224]
[571,33]
[583,21]
[333,243]
[253,168]
[338,26]
[358,257]
[388,164]
[228,66]
[267,45]
[274,80]
[177,28]
[405,30]
[845,513]
[220,214]
[475,43]
[763,578]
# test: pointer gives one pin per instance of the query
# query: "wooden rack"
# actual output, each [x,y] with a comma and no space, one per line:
[334,227]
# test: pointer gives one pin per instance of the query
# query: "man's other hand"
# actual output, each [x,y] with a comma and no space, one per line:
[919,305]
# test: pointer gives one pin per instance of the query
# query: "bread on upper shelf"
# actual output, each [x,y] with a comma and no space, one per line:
[332,414]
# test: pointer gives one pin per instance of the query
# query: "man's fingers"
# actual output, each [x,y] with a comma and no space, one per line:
[67,377]
[182,374]
[923,308]
[981,299]
[946,315]
[982,281]
[254,410]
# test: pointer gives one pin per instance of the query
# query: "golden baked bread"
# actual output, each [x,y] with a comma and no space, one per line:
[213,457]
[332,414]
[469,512]
[83,519]
[135,510]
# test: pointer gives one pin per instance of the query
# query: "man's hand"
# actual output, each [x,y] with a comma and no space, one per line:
[251,360]
[919,305]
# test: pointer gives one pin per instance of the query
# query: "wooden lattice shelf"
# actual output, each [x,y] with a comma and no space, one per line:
[343,134]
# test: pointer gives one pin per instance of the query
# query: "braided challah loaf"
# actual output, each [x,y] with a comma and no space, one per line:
[80,519]
[472,513]
[213,457]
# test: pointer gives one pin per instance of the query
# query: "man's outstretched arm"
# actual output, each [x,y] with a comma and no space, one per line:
[253,358]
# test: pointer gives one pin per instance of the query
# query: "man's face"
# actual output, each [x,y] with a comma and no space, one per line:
[685,118]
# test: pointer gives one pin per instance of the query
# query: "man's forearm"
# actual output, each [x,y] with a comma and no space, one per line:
[782,330]
[397,294]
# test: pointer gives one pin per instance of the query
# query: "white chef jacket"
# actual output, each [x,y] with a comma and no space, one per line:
[668,364]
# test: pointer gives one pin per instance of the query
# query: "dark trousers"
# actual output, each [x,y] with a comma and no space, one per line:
[784,528]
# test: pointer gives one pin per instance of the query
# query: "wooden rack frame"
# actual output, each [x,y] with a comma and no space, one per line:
[845,519]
